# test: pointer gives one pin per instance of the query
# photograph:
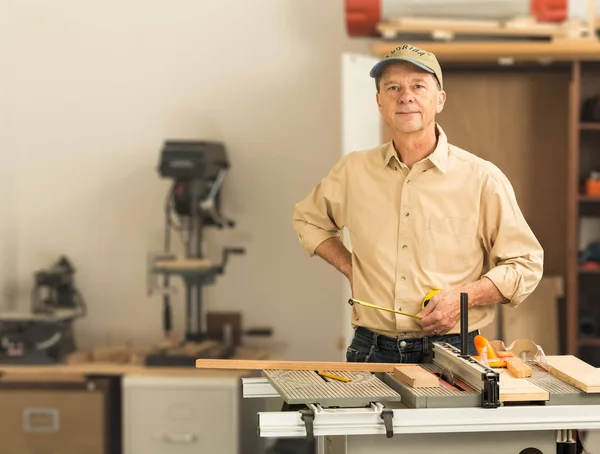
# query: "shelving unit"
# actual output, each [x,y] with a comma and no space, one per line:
[583,283]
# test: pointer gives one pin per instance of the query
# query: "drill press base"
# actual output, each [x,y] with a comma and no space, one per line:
[185,355]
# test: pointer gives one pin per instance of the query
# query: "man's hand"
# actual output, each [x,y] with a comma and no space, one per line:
[442,312]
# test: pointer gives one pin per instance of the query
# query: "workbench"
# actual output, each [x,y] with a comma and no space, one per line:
[103,407]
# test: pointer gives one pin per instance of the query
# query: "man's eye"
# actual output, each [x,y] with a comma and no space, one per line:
[420,86]
[392,88]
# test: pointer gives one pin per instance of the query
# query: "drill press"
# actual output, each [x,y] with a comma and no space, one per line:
[197,169]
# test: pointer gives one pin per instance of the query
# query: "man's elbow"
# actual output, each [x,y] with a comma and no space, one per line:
[529,272]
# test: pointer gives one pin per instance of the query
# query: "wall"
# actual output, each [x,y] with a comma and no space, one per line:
[7,221]
[100,85]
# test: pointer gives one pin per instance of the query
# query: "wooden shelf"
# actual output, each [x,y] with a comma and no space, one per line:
[591,342]
[589,270]
[563,50]
[589,126]
[589,198]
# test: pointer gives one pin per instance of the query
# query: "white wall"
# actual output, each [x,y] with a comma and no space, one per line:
[7,153]
[100,85]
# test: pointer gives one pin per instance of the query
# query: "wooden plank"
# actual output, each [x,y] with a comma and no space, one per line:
[184,264]
[518,390]
[294,365]
[563,50]
[574,371]
[525,29]
[415,376]
[518,368]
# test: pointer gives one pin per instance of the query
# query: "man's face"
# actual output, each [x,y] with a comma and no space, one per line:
[409,97]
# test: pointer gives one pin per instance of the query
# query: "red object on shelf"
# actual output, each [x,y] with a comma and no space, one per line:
[550,10]
[363,16]
[590,266]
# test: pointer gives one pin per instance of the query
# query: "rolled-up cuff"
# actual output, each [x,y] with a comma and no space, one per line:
[310,238]
[508,282]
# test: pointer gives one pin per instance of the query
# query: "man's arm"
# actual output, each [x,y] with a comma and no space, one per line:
[516,261]
[321,215]
[483,293]
[337,255]
[516,256]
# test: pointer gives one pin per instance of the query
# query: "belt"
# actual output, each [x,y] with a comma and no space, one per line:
[391,343]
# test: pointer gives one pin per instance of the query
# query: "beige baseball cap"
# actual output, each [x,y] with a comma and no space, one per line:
[406,52]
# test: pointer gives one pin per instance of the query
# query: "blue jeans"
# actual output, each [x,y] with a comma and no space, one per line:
[367,346]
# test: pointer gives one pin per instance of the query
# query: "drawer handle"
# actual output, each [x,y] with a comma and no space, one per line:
[40,420]
[177,438]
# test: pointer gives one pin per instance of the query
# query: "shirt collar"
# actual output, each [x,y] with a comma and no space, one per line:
[439,156]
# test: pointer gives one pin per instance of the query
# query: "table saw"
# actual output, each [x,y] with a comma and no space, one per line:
[454,404]
[505,400]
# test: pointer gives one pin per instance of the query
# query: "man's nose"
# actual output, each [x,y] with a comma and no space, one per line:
[405,96]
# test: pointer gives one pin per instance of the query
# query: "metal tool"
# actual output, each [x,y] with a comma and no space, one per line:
[197,170]
[45,335]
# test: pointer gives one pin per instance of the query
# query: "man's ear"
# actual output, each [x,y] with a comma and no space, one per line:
[378,101]
[441,101]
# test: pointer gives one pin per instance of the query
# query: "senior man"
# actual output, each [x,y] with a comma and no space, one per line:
[422,214]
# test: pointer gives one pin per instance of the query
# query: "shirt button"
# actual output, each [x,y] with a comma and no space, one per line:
[407,181]
[403,278]
[407,214]
[403,344]
[404,246]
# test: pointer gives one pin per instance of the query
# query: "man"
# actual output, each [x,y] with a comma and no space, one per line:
[422,214]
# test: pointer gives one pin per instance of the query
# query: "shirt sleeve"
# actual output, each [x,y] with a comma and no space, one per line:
[515,255]
[322,213]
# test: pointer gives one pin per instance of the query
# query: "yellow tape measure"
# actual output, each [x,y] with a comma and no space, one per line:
[352,301]
[428,297]
[425,302]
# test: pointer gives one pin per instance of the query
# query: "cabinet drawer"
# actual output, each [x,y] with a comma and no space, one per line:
[53,419]
[181,416]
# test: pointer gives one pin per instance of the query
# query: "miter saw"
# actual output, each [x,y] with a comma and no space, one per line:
[44,335]
[198,169]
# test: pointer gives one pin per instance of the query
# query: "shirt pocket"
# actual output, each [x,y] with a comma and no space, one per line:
[449,244]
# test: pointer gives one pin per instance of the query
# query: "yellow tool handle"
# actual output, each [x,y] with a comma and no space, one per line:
[362,303]
[428,297]
[335,377]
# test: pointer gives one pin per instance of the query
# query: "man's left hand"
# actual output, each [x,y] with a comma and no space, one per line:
[442,312]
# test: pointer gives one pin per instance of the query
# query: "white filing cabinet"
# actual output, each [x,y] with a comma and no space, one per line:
[188,415]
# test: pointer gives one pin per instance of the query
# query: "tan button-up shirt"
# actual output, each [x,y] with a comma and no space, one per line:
[449,220]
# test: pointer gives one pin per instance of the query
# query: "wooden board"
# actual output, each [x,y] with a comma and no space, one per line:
[519,390]
[518,368]
[415,376]
[448,28]
[294,365]
[575,372]
[184,264]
